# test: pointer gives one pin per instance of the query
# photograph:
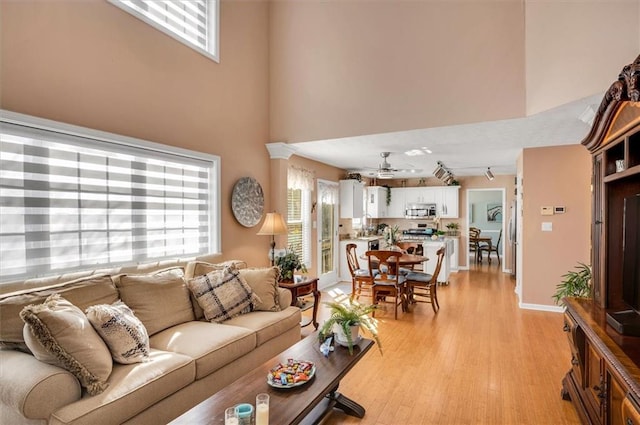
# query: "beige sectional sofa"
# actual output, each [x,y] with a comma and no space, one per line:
[190,358]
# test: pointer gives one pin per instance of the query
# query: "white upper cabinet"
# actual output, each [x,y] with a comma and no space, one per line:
[448,203]
[397,205]
[376,203]
[351,199]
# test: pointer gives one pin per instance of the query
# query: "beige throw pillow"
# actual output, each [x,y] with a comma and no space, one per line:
[123,332]
[264,283]
[160,300]
[58,333]
[223,294]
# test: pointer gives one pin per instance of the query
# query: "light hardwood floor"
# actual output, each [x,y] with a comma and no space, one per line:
[480,360]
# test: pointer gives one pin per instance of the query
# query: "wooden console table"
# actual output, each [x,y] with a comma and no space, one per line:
[306,287]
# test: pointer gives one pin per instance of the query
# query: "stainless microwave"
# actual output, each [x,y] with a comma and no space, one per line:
[425,211]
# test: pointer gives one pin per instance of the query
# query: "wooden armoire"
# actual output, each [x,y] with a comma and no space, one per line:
[603,382]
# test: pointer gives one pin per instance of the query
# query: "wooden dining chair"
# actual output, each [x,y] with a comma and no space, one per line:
[387,283]
[423,287]
[474,233]
[361,279]
[489,248]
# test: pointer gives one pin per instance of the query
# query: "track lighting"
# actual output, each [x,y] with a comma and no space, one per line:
[489,174]
[443,174]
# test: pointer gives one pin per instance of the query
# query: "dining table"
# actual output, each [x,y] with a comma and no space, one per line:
[406,260]
[475,241]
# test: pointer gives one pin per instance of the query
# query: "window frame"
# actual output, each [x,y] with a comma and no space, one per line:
[305,224]
[64,129]
[214,36]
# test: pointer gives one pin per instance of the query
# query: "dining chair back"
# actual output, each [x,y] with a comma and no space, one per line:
[423,287]
[361,279]
[489,248]
[474,247]
[387,283]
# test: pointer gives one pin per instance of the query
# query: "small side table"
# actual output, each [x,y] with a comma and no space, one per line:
[299,289]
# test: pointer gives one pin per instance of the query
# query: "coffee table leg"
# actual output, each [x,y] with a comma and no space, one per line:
[347,405]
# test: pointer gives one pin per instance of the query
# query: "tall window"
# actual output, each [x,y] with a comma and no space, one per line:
[299,183]
[72,198]
[192,22]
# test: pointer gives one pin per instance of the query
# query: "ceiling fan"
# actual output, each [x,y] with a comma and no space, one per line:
[385,171]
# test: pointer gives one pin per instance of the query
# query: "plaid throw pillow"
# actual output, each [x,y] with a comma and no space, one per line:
[123,332]
[223,294]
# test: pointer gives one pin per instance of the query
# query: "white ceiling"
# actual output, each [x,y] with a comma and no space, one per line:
[466,150]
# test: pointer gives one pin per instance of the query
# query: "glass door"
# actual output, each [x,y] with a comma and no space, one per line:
[327,211]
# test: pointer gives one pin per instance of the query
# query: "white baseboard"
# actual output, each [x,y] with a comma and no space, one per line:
[541,307]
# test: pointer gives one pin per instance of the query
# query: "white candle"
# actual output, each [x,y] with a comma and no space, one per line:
[262,414]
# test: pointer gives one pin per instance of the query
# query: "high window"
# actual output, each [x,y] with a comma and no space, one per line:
[73,198]
[192,22]
[299,182]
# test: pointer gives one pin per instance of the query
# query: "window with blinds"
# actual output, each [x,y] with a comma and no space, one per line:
[70,200]
[193,22]
[299,223]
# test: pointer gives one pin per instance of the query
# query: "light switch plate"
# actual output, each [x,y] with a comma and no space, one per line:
[546,210]
[547,226]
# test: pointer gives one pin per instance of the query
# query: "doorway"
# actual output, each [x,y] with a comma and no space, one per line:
[486,210]
[327,218]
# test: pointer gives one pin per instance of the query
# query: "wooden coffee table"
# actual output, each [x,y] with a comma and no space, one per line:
[306,404]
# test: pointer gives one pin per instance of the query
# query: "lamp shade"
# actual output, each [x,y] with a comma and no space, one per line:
[273,225]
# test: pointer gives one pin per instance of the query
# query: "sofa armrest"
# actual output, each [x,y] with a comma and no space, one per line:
[284,298]
[32,388]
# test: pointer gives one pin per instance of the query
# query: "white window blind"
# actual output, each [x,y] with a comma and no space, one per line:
[299,223]
[68,202]
[193,22]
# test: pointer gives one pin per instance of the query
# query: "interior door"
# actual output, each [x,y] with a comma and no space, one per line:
[327,211]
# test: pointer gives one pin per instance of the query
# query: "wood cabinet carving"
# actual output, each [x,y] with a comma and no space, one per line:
[603,381]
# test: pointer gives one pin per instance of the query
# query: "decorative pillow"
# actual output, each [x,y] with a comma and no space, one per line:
[264,283]
[58,333]
[160,300]
[123,332]
[223,294]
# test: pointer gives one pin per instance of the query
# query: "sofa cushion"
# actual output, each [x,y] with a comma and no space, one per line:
[132,389]
[121,330]
[212,345]
[160,300]
[264,283]
[223,294]
[268,324]
[199,268]
[82,293]
[58,333]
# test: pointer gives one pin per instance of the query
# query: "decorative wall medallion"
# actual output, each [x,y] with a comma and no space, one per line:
[247,201]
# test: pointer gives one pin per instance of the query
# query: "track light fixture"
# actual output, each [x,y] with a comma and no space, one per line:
[489,174]
[443,174]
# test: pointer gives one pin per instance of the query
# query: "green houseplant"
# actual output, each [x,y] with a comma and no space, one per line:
[346,319]
[288,264]
[575,283]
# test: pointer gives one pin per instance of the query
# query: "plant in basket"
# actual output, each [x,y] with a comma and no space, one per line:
[346,320]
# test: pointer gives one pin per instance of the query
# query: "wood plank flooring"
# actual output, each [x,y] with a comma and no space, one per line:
[480,360]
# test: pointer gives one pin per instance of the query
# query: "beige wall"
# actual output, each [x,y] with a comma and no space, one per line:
[574,49]
[554,176]
[345,68]
[89,63]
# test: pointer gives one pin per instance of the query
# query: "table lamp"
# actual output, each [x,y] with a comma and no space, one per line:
[273,225]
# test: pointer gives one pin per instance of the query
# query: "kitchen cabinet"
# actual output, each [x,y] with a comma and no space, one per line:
[351,199]
[376,204]
[396,207]
[420,195]
[447,201]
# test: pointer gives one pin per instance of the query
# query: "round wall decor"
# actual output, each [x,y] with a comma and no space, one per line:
[247,201]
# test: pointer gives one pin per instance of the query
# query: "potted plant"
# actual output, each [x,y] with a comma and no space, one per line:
[574,284]
[345,322]
[452,228]
[288,264]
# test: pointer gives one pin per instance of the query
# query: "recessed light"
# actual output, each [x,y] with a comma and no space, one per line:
[426,149]
[414,152]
